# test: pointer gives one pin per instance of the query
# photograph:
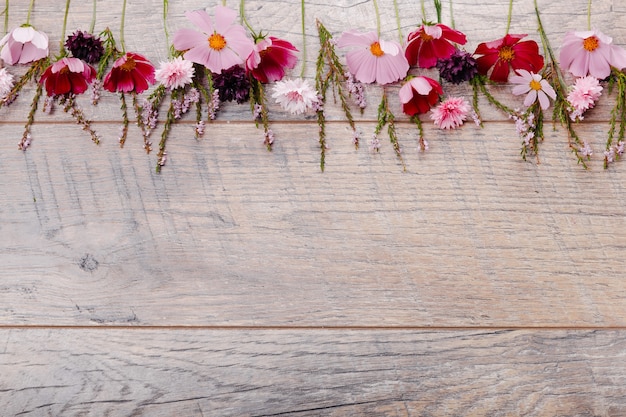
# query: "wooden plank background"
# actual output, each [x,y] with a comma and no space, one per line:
[244,282]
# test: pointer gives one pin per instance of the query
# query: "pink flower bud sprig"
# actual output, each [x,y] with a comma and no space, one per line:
[330,73]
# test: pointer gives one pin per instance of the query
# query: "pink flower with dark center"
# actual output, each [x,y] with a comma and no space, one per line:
[24,45]
[430,43]
[583,95]
[270,58]
[67,75]
[130,73]
[175,73]
[534,86]
[450,113]
[217,46]
[297,96]
[373,59]
[591,53]
[419,94]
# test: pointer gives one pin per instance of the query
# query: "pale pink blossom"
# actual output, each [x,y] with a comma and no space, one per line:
[451,113]
[23,45]
[591,53]
[175,73]
[6,82]
[534,86]
[583,95]
[297,95]
[217,46]
[373,59]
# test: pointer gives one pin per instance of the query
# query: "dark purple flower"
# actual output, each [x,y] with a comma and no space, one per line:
[232,84]
[85,46]
[461,66]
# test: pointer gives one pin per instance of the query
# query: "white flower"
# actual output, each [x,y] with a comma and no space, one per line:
[175,73]
[536,87]
[6,82]
[296,96]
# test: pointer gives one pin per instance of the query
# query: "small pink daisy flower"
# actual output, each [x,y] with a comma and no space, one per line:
[591,53]
[583,95]
[175,73]
[6,82]
[536,87]
[217,46]
[451,113]
[373,59]
[296,96]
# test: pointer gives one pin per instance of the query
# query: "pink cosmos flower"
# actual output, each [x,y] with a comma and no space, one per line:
[23,45]
[217,46]
[269,59]
[536,87]
[373,59]
[450,113]
[67,75]
[6,82]
[419,94]
[583,95]
[131,72]
[175,73]
[296,96]
[430,43]
[506,54]
[591,53]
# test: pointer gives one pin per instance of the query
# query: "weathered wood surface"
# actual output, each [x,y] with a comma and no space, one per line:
[231,239]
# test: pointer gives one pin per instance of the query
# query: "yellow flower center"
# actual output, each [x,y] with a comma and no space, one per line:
[376,50]
[129,65]
[426,37]
[217,42]
[591,43]
[535,85]
[506,53]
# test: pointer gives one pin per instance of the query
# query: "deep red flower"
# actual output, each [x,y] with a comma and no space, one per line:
[67,75]
[430,43]
[270,58]
[419,94]
[508,54]
[130,73]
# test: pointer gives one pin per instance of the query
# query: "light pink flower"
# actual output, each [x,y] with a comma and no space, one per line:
[583,95]
[175,73]
[451,113]
[23,45]
[6,82]
[536,87]
[373,59]
[217,46]
[591,53]
[296,96]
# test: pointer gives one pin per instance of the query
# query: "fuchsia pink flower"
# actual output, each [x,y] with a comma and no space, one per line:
[217,46]
[534,86]
[506,54]
[130,73]
[450,113]
[419,94]
[24,45]
[67,75]
[591,53]
[175,73]
[270,58]
[430,43]
[373,59]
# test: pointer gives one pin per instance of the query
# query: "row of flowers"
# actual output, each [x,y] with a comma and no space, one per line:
[223,60]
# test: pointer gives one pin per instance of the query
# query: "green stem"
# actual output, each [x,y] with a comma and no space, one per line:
[93,17]
[438,10]
[508,20]
[423,11]
[6,16]
[589,15]
[122,43]
[398,22]
[242,17]
[67,10]
[167,34]
[377,17]
[303,41]
[30,9]
[452,24]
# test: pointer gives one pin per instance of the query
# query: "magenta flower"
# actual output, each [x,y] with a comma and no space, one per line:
[450,113]
[175,73]
[270,58]
[67,75]
[591,53]
[430,43]
[419,94]
[373,59]
[130,73]
[23,45]
[217,46]
[534,86]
